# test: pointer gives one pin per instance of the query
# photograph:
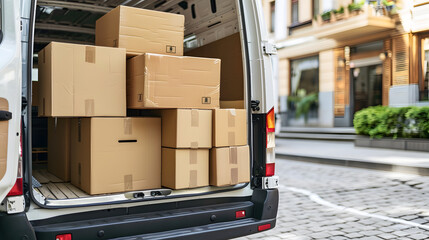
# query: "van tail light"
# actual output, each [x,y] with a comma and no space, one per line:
[271,121]
[270,169]
[18,188]
[270,143]
[264,227]
[240,214]
[66,236]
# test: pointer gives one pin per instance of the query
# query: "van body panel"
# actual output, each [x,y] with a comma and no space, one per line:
[10,91]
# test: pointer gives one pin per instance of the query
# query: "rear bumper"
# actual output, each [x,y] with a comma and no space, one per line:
[224,230]
[197,219]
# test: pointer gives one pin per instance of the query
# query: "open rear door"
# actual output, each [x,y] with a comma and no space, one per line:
[10,94]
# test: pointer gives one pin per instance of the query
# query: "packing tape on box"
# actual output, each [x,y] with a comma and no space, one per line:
[194,145]
[233,155]
[193,156]
[234,176]
[90,54]
[128,182]
[231,138]
[194,118]
[231,117]
[89,107]
[128,126]
[193,178]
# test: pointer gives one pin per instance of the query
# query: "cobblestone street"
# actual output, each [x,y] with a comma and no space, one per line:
[354,204]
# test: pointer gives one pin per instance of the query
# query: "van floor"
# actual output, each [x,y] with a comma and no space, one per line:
[54,188]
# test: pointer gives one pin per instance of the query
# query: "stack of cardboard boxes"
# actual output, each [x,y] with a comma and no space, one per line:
[85,90]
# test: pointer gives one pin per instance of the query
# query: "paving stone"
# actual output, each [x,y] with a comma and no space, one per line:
[319,235]
[353,235]
[419,236]
[387,236]
[400,233]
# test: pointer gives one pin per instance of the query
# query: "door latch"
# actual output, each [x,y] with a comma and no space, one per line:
[255,105]
[269,48]
[5,115]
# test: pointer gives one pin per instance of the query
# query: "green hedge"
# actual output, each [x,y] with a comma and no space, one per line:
[381,121]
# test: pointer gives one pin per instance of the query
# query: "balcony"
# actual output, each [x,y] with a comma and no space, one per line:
[353,24]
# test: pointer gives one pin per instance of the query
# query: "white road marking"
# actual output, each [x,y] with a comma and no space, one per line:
[317,199]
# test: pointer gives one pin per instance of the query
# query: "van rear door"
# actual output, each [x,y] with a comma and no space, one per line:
[10,99]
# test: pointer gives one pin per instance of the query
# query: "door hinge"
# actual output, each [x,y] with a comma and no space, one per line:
[5,115]
[269,48]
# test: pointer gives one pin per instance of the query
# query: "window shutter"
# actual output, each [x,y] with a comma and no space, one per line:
[400,60]
[387,72]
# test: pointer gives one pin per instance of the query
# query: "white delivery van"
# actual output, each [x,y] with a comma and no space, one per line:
[27,212]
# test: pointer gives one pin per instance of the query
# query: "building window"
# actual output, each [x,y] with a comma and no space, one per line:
[295,18]
[316,9]
[302,103]
[424,70]
[273,15]
[305,76]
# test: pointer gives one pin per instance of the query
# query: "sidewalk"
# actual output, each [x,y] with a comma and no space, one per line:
[346,154]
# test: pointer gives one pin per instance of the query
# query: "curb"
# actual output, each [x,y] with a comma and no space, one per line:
[423,171]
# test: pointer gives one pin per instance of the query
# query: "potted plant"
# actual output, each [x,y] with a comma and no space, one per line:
[340,13]
[303,103]
[355,8]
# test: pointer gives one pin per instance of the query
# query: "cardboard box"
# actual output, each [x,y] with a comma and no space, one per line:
[186,128]
[229,127]
[80,80]
[34,93]
[185,168]
[59,147]
[229,166]
[237,104]
[228,50]
[162,81]
[141,31]
[111,155]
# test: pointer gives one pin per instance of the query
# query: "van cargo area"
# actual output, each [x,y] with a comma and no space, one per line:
[211,32]
[136,119]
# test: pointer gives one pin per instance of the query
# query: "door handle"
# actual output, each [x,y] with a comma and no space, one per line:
[5,115]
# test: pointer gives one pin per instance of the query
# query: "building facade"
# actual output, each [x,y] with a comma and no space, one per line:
[336,57]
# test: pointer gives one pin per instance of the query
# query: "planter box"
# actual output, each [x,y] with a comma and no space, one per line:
[399,143]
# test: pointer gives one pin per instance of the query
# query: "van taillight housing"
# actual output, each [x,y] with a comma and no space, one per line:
[18,188]
[270,143]
[271,121]
[66,236]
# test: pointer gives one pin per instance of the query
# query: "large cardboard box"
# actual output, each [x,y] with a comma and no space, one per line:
[228,50]
[80,80]
[162,81]
[186,128]
[59,147]
[229,127]
[111,155]
[185,168]
[238,104]
[141,31]
[229,165]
